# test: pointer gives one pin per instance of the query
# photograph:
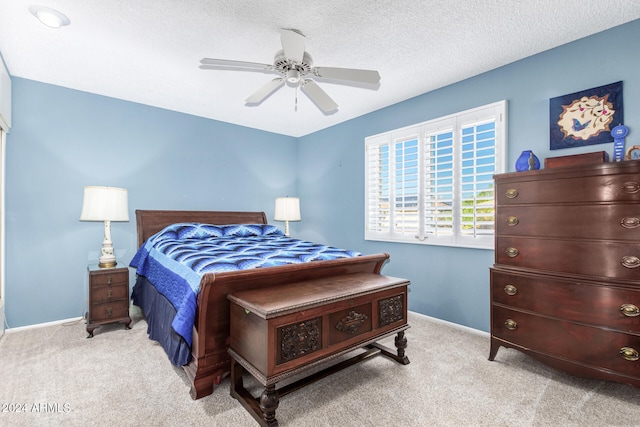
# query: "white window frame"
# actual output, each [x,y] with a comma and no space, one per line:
[384,223]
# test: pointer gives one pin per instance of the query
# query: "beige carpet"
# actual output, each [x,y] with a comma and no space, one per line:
[55,376]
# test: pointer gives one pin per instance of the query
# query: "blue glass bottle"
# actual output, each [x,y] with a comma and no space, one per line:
[527,161]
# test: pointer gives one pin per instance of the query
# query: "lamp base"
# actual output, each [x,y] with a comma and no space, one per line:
[109,264]
[107,258]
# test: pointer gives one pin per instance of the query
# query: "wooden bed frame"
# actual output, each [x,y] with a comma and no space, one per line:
[210,360]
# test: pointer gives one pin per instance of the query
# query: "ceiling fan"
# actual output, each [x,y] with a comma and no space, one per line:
[294,66]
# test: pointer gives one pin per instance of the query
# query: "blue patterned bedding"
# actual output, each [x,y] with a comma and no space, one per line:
[176,258]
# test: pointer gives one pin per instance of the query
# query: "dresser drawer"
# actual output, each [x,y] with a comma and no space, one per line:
[585,302]
[559,188]
[110,278]
[614,222]
[592,346]
[109,311]
[615,260]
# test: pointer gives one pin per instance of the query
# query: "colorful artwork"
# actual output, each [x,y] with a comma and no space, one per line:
[586,117]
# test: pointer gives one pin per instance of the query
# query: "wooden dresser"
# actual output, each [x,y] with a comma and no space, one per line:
[565,286]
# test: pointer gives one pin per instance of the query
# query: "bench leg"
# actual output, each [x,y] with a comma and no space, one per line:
[401,344]
[269,401]
[262,409]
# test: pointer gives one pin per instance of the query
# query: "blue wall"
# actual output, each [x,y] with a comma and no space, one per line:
[62,140]
[451,283]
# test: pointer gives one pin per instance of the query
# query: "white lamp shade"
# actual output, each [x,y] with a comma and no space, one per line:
[105,204]
[287,209]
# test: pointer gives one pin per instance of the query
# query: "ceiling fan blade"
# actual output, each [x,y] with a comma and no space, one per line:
[212,63]
[266,90]
[319,96]
[292,44]
[350,74]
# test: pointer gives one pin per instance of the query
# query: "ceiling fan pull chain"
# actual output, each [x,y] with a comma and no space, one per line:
[296,104]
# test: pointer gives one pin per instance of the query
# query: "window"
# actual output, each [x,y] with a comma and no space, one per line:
[432,183]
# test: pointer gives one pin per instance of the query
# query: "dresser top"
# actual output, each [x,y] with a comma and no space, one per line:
[595,169]
[277,301]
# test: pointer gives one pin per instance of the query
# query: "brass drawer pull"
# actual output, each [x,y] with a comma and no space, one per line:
[512,221]
[630,354]
[510,290]
[630,261]
[510,324]
[630,310]
[512,252]
[109,312]
[631,187]
[630,222]
[109,280]
[109,293]
[511,193]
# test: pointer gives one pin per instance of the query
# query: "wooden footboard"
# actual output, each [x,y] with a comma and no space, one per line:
[210,360]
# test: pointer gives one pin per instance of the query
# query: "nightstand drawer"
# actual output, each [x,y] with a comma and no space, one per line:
[111,278]
[111,310]
[109,293]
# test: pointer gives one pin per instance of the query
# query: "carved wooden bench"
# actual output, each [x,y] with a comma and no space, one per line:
[283,331]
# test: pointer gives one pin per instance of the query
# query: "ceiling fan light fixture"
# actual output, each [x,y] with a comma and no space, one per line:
[293,76]
[49,17]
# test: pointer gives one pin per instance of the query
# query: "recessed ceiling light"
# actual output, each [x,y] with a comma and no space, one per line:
[49,17]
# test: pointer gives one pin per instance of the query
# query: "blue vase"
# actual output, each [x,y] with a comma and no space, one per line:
[527,161]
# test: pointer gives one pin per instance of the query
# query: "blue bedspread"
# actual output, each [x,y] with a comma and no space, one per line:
[176,258]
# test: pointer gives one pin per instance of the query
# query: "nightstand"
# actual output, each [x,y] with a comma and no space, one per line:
[108,297]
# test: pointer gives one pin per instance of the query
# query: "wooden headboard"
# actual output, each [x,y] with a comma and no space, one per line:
[149,223]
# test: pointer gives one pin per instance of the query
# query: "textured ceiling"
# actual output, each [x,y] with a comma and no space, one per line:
[148,51]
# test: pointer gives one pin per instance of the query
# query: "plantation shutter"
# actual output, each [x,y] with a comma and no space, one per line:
[439,183]
[378,215]
[406,178]
[432,183]
[478,152]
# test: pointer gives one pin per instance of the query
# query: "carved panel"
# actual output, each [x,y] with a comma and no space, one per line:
[391,310]
[299,339]
[351,323]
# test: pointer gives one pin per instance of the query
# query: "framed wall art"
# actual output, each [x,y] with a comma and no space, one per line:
[585,117]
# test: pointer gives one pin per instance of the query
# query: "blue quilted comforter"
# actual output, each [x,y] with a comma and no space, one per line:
[176,258]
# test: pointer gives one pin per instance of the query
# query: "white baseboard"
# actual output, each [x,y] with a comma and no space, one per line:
[42,325]
[134,308]
[454,325]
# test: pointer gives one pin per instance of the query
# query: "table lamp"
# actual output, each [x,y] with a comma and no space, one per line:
[287,209]
[105,204]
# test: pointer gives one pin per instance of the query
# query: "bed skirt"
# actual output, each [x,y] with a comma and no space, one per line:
[159,313]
